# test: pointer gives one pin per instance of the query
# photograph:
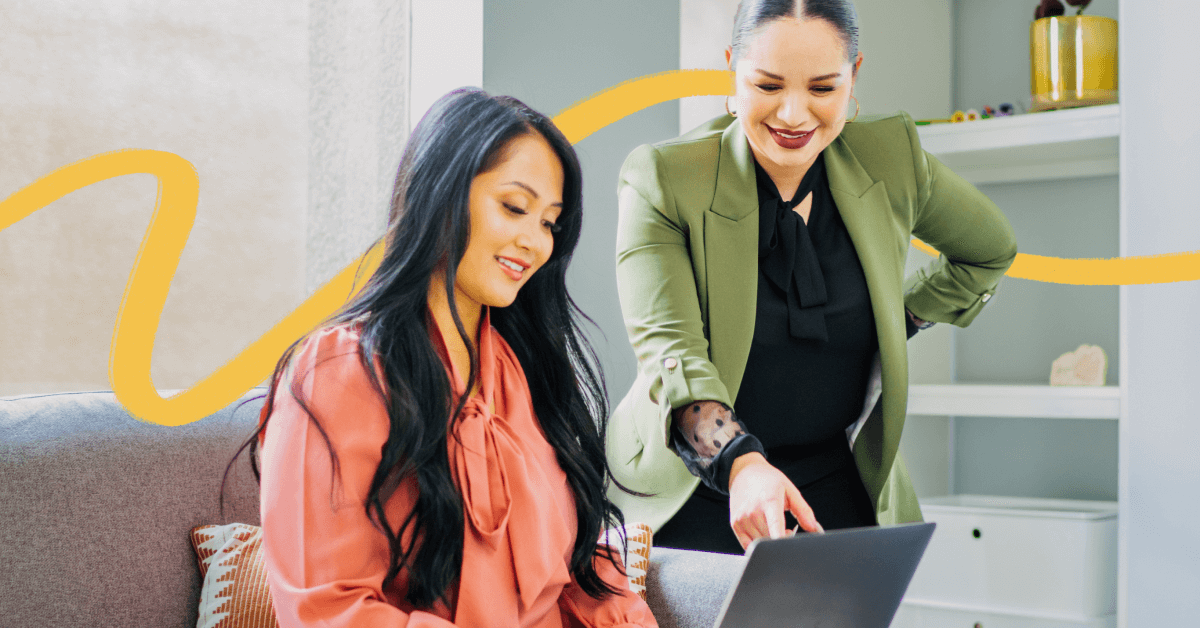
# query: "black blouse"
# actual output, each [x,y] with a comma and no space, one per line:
[811,353]
[805,378]
[814,332]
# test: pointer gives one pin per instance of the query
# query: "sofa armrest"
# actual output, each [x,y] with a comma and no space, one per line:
[685,589]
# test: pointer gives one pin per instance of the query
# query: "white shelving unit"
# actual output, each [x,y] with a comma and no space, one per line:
[1079,142]
[1055,145]
[1033,402]
[1063,144]
[1027,147]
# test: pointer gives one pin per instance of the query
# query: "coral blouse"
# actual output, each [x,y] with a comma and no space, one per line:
[326,560]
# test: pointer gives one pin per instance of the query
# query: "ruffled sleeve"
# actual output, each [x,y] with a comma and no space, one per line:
[325,559]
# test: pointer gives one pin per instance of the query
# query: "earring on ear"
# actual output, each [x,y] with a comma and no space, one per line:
[856,108]
[732,113]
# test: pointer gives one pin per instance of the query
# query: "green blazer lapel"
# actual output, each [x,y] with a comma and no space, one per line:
[865,208]
[731,259]
[736,196]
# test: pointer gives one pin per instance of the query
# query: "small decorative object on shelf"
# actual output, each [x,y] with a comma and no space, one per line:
[970,115]
[1085,366]
[1073,58]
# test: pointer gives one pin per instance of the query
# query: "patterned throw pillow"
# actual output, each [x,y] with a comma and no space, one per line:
[235,593]
[638,536]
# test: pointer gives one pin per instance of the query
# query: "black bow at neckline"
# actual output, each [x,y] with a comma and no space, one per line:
[786,256]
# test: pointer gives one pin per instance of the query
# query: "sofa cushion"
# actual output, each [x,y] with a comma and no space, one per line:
[95,507]
[686,589]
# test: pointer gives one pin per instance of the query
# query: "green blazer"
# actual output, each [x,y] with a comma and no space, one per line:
[687,276]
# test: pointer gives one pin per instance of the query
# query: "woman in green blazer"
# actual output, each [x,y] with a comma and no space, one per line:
[688,273]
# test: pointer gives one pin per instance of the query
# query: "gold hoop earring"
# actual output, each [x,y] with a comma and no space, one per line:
[732,113]
[856,109]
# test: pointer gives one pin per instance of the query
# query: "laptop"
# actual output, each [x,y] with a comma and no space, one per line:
[852,578]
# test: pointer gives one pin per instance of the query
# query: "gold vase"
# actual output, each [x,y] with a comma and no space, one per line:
[1073,61]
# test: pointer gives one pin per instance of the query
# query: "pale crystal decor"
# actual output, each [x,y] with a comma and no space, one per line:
[1085,366]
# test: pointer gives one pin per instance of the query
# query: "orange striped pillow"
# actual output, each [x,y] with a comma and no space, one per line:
[638,537]
[235,592]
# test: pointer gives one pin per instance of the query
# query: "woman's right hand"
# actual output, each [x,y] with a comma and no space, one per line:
[759,495]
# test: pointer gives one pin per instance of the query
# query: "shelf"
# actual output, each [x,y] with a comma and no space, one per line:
[1045,402]
[1029,507]
[920,613]
[1080,142]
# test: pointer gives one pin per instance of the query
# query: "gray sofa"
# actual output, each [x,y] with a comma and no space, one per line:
[95,508]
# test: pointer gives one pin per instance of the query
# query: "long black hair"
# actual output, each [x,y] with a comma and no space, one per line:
[754,14]
[464,134]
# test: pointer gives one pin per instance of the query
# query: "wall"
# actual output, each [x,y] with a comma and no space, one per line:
[446,50]
[294,114]
[551,54]
[224,84]
[705,28]
[358,120]
[1160,470]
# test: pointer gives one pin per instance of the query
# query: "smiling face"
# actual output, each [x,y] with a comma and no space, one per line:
[513,208]
[793,85]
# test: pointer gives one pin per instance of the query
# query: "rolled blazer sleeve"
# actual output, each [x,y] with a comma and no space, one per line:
[975,240]
[657,289]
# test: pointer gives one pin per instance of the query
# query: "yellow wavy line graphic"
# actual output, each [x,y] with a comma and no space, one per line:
[605,107]
[150,279]
[1116,271]
[175,211]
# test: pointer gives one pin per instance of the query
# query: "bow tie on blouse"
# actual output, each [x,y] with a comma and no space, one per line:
[499,508]
[786,256]
[488,461]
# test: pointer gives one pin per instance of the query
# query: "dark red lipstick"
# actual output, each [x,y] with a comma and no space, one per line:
[798,139]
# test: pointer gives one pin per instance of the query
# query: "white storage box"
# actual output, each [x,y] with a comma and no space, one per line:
[1020,556]
[918,616]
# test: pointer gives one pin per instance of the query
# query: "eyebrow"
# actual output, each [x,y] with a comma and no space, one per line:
[531,191]
[823,77]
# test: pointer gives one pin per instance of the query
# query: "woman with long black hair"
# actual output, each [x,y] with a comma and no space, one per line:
[433,454]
